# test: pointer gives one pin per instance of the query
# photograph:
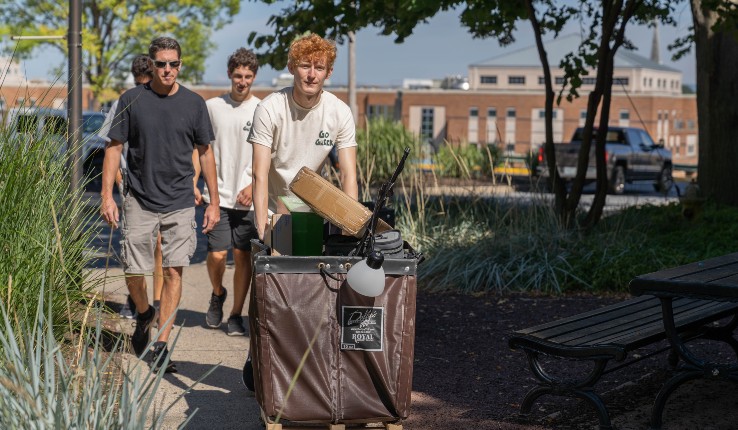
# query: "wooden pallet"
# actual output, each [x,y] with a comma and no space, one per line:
[387,426]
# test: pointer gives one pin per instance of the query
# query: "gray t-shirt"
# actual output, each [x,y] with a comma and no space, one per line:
[161,132]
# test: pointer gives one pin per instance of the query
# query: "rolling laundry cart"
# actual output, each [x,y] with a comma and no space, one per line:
[359,361]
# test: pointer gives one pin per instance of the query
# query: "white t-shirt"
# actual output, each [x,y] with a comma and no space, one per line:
[299,137]
[233,154]
[105,129]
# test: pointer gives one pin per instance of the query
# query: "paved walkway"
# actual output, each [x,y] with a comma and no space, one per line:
[221,400]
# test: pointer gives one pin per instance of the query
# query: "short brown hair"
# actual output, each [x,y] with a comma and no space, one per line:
[140,66]
[164,44]
[310,48]
[243,57]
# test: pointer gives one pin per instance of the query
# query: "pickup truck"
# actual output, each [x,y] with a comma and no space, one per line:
[631,155]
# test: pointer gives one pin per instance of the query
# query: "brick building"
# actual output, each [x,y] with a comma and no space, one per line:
[503,106]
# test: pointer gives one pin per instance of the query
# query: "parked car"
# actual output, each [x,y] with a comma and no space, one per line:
[94,147]
[52,123]
[631,155]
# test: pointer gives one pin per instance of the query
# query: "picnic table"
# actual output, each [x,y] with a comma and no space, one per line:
[714,279]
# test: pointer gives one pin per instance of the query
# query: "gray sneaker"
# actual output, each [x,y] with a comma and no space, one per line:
[215,313]
[235,326]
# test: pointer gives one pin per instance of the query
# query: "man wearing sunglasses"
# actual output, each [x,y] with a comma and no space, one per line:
[162,122]
[142,74]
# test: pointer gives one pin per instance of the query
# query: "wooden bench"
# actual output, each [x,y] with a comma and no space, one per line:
[610,333]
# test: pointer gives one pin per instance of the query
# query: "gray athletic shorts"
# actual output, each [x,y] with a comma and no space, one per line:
[139,228]
[235,229]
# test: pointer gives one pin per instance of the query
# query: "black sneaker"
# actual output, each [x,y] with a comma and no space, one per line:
[215,313]
[129,309]
[141,335]
[235,326]
[248,374]
[159,356]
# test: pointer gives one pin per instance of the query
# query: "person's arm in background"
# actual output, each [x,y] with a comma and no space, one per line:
[347,161]
[207,167]
[196,166]
[260,170]
[111,166]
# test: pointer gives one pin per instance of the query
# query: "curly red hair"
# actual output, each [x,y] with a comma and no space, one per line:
[311,48]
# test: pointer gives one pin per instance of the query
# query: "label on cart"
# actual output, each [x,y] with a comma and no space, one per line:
[362,328]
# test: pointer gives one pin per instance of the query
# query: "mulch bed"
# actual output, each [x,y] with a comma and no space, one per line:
[462,359]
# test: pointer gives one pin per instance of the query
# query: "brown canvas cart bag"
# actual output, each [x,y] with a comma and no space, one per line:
[360,365]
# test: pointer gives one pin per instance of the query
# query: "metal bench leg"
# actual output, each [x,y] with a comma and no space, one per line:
[582,389]
[672,384]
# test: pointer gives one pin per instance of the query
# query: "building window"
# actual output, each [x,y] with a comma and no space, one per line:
[542,113]
[645,81]
[625,114]
[511,112]
[473,112]
[620,81]
[559,80]
[589,81]
[426,124]
[690,124]
[583,114]
[488,79]
[516,80]
[492,112]
[541,80]
[380,111]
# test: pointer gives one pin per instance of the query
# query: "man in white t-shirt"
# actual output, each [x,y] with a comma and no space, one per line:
[231,115]
[298,126]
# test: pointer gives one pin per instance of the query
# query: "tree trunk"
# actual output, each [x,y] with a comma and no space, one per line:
[717,110]
[559,189]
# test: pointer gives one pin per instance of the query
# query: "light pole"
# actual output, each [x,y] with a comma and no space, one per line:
[74,89]
[352,75]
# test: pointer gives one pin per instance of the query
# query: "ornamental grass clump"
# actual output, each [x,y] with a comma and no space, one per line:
[42,229]
[45,384]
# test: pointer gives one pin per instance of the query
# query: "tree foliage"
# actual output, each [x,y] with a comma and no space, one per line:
[113,31]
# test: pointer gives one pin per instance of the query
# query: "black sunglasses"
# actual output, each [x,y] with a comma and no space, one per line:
[162,64]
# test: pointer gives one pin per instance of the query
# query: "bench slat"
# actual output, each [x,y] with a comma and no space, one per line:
[602,330]
[628,325]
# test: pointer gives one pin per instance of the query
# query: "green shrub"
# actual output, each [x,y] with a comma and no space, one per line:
[381,146]
[462,161]
[501,245]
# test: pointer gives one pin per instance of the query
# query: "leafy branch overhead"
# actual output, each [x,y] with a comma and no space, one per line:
[113,31]
[335,19]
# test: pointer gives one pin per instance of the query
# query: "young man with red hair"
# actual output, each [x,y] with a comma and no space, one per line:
[298,126]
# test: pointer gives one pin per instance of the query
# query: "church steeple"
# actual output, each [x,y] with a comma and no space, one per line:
[655,56]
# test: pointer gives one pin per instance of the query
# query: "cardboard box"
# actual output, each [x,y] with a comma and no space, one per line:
[333,204]
[306,227]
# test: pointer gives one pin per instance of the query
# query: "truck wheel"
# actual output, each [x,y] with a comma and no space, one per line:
[665,181]
[617,181]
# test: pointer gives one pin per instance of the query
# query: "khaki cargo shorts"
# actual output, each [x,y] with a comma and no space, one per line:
[139,228]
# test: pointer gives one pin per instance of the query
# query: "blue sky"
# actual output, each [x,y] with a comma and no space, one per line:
[438,48]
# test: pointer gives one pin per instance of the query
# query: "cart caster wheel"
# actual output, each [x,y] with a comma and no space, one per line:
[248,374]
